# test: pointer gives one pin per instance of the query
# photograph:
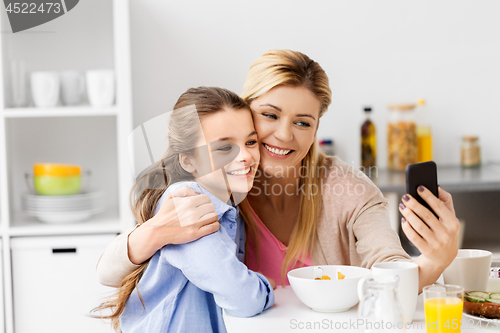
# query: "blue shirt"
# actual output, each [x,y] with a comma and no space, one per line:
[185,287]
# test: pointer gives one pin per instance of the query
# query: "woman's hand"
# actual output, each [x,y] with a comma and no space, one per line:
[184,216]
[436,239]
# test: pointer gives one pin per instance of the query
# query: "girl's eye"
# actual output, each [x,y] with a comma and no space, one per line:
[270,115]
[225,148]
[303,124]
[251,143]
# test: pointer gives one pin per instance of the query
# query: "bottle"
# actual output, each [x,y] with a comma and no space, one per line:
[424,135]
[327,147]
[368,142]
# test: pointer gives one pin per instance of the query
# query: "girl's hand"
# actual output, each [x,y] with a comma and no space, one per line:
[184,216]
[436,239]
[271,280]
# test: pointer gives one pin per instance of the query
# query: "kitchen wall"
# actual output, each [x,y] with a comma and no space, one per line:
[374,52]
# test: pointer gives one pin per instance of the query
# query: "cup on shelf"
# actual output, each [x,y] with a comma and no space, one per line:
[19,97]
[45,88]
[72,87]
[101,87]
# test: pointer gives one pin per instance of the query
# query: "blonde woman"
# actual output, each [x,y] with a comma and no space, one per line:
[306,208]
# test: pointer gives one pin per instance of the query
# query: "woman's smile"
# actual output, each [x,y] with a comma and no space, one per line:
[277,152]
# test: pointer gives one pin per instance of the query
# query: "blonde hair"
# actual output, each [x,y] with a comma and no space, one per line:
[183,136]
[285,67]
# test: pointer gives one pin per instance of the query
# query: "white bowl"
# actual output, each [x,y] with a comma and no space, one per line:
[327,295]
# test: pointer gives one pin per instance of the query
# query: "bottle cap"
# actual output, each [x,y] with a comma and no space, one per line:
[470,138]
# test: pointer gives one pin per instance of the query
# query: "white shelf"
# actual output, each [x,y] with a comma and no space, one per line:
[63,111]
[23,225]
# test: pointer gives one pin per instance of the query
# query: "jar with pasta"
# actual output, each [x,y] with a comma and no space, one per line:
[471,152]
[401,136]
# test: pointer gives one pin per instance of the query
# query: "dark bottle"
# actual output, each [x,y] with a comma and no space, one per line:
[368,142]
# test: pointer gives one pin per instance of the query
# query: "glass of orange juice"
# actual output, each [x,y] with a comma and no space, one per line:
[443,305]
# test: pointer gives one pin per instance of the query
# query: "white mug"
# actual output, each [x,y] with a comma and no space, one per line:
[45,88]
[72,87]
[469,270]
[101,87]
[408,283]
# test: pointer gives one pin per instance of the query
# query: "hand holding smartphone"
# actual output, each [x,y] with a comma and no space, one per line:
[424,174]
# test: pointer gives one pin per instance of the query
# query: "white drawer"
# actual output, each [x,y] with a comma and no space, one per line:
[55,284]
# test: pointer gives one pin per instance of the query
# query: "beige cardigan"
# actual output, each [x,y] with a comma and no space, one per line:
[353,228]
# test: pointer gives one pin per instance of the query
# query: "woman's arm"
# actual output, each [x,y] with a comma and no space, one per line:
[437,240]
[184,216]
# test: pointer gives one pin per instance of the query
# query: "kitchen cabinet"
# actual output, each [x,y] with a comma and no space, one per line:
[43,289]
[54,283]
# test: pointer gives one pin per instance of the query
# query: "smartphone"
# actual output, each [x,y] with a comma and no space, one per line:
[424,174]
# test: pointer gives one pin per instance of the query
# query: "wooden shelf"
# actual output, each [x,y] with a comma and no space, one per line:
[63,111]
[23,225]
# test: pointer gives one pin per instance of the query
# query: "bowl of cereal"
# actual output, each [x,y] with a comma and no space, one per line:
[329,288]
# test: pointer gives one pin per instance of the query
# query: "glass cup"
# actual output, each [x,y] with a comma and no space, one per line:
[443,305]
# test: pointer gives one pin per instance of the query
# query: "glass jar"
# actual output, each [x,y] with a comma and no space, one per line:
[401,136]
[471,152]
[379,307]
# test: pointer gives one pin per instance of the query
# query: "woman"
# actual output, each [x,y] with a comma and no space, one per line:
[306,208]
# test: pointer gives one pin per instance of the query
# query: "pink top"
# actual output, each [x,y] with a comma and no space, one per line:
[271,254]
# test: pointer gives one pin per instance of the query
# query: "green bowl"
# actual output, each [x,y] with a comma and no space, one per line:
[58,185]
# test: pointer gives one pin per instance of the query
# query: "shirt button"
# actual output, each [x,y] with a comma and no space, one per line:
[231,226]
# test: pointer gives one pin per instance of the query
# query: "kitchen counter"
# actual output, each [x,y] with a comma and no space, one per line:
[451,178]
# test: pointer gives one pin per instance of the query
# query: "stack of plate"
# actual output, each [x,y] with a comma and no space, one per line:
[63,208]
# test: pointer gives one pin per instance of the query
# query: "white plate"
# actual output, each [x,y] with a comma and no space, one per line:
[486,320]
[66,217]
[66,199]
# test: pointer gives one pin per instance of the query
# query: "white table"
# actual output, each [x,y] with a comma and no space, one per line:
[289,314]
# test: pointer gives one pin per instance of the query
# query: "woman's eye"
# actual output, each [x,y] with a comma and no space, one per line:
[270,115]
[303,124]
[251,143]
[225,148]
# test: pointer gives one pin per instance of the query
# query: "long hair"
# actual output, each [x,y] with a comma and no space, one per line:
[285,67]
[183,135]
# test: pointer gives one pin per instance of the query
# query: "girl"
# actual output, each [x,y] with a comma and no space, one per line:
[182,288]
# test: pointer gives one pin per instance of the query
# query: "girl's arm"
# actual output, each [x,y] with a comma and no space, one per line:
[436,239]
[184,216]
[210,263]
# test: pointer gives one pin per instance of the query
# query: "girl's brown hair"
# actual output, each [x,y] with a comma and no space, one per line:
[183,135]
[284,67]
